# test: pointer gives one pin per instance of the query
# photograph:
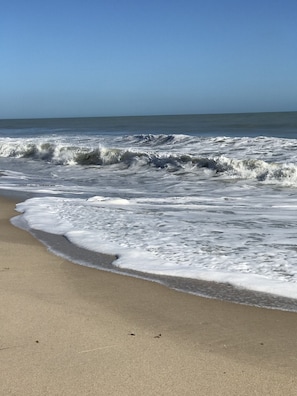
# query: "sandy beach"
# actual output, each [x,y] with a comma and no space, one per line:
[71,330]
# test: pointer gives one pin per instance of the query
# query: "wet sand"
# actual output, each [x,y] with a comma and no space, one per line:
[72,330]
[221,291]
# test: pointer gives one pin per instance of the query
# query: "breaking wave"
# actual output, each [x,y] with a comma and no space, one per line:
[174,161]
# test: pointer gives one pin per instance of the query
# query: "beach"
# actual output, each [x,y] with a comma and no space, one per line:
[72,330]
[204,198]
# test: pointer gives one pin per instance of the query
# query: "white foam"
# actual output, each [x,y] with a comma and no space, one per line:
[158,236]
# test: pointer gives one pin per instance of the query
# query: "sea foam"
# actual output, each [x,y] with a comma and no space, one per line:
[253,249]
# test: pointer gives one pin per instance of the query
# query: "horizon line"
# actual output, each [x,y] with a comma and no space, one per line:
[145,115]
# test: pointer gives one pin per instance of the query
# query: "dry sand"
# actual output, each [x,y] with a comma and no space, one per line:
[71,330]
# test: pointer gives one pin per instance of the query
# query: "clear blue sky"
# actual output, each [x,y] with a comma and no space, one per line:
[61,58]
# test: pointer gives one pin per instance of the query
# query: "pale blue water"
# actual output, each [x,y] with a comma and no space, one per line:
[203,197]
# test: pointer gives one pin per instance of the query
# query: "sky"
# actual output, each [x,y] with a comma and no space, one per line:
[80,58]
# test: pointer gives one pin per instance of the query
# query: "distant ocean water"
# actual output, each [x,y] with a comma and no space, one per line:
[211,197]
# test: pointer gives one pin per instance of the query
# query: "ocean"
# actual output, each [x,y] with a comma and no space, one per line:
[191,197]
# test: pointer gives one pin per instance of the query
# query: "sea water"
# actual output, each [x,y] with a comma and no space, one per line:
[210,197]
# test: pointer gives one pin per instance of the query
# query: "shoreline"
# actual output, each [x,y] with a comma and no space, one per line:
[69,329]
[60,246]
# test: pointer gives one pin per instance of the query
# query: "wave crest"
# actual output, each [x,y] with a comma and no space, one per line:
[218,166]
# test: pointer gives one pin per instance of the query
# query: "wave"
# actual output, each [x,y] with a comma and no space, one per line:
[218,166]
[156,140]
